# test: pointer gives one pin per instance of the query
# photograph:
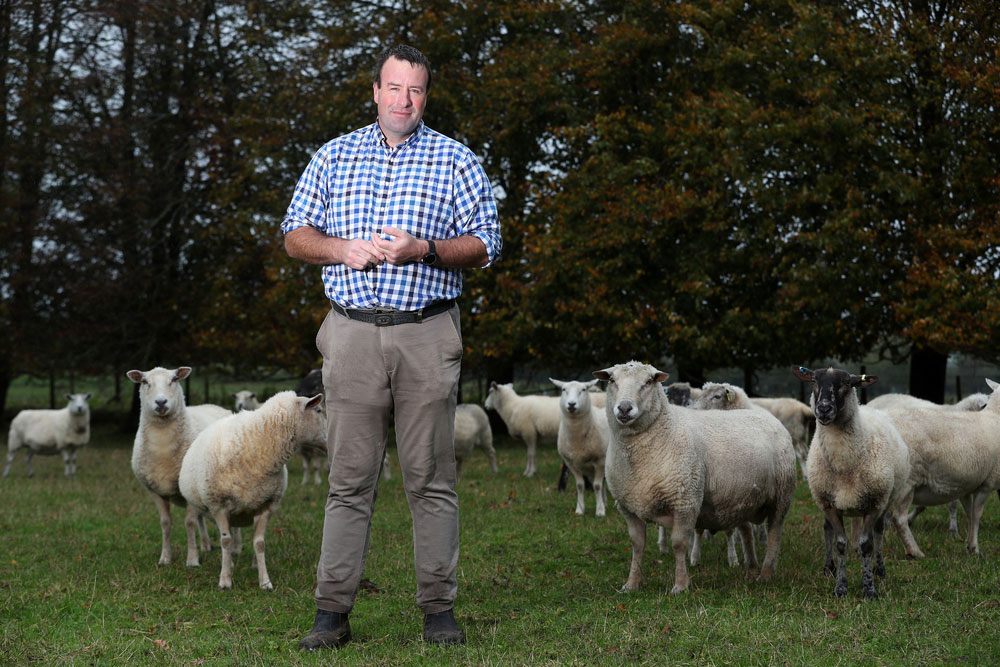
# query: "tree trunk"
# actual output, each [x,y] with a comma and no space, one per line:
[928,374]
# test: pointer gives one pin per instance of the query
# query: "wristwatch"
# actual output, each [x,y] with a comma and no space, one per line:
[431,257]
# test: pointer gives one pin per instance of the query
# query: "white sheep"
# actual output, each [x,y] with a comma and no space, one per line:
[720,396]
[690,470]
[245,400]
[167,427]
[472,429]
[955,454]
[50,432]
[858,466]
[795,416]
[235,470]
[526,417]
[583,439]
[971,403]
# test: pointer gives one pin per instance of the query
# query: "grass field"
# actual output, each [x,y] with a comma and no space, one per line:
[79,583]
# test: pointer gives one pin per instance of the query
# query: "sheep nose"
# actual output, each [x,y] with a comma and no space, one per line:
[571,407]
[624,410]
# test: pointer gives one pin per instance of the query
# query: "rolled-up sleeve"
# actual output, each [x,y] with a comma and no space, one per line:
[476,208]
[308,207]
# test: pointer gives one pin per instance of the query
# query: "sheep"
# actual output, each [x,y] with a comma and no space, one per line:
[526,417]
[689,470]
[682,393]
[235,470]
[796,416]
[858,466]
[720,396]
[50,432]
[955,454]
[472,429]
[582,441]
[245,400]
[167,427]
[971,403]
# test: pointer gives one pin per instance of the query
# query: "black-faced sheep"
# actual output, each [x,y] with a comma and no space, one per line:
[858,466]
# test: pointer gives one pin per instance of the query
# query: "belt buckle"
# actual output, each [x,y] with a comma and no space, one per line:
[383,318]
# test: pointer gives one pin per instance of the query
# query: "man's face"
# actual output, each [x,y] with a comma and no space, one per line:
[401,99]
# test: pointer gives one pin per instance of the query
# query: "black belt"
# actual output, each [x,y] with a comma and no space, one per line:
[387,317]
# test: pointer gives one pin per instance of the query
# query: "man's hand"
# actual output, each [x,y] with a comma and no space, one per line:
[402,249]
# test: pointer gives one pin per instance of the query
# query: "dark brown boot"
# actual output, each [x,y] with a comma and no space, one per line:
[330,630]
[441,628]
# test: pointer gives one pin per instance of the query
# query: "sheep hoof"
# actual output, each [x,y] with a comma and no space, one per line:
[267,586]
[677,589]
[225,585]
[915,555]
[193,563]
[869,594]
[840,590]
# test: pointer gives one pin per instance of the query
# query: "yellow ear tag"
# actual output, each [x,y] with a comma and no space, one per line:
[863,377]
[729,395]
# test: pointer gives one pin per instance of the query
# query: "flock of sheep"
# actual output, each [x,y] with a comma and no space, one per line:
[713,459]
[692,461]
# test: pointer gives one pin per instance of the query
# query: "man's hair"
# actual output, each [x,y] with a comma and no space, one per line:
[402,52]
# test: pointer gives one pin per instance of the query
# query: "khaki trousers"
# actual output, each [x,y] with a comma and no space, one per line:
[411,372]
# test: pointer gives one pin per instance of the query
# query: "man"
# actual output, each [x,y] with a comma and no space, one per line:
[393,211]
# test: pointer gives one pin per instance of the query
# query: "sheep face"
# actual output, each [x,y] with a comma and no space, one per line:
[716,397]
[831,389]
[630,392]
[160,392]
[492,396]
[679,393]
[78,404]
[245,400]
[313,428]
[574,397]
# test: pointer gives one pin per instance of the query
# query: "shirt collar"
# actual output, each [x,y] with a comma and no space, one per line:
[378,137]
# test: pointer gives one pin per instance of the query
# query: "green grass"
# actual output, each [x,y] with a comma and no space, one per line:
[79,583]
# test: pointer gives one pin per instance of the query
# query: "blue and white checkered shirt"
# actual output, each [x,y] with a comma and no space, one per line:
[430,186]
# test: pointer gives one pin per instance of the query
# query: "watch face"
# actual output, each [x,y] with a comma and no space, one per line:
[429,258]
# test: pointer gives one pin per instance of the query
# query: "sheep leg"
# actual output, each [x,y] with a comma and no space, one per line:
[580,485]
[27,461]
[694,550]
[72,458]
[237,541]
[973,504]
[898,519]
[915,512]
[637,533]
[204,541]
[749,549]
[191,520]
[953,518]
[10,459]
[163,507]
[305,469]
[491,454]
[866,547]
[259,526]
[529,440]
[67,471]
[834,532]
[225,545]
[829,566]
[599,490]
[680,536]
[731,556]
[317,469]
[879,534]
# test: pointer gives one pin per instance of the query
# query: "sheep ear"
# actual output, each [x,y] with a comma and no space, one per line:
[603,375]
[660,376]
[314,401]
[993,385]
[863,380]
[591,383]
[182,372]
[557,383]
[804,373]
[87,397]
[730,396]
[134,376]
[69,397]
[232,395]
